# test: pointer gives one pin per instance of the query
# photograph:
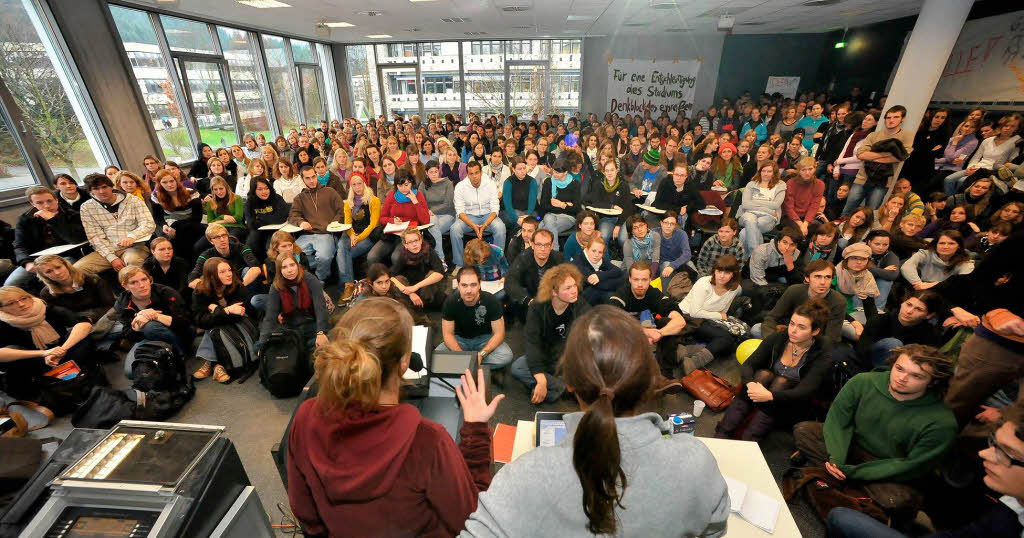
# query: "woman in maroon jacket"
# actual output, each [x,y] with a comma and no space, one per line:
[362,464]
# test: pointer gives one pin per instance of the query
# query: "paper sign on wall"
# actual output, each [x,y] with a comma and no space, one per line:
[987,63]
[634,87]
[785,85]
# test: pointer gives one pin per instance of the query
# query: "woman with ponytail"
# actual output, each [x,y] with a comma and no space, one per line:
[360,462]
[622,465]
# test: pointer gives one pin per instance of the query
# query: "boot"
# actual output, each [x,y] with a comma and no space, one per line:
[702,358]
[346,295]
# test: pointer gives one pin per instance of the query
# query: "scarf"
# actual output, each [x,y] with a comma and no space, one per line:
[357,202]
[289,307]
[610,188]
[819,252]
[643,248]
[557,184]
[401,198]
[323,179]
[596,266]
[34,322]
[860,284]
[415,259]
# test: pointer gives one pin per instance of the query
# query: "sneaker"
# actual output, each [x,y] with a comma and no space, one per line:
[667,386]
[204,371]
[444,265]
[220,375]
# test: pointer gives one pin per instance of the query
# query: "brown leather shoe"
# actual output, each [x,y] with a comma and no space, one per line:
[346,295]
[204,371]
[220,375]
[667,386]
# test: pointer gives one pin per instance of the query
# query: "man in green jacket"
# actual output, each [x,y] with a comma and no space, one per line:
[885,426]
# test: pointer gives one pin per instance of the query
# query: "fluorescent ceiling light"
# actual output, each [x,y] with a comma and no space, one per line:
[423,0]
[263,4]
[571,18]
[379,36]
[338,24]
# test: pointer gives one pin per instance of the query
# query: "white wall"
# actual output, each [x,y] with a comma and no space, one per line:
[662,47]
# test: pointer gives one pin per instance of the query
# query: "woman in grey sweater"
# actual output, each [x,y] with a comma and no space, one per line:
[440,195]
[943,258]
[614,472]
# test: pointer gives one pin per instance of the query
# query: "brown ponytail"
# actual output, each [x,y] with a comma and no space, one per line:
[609,363]
[367,347]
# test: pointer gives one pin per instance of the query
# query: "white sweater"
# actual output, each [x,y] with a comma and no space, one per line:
[703,302]
[989,155]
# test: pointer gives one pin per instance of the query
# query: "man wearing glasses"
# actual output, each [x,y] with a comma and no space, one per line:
[886,429]
[1003,461]
[237,254]
[524,275]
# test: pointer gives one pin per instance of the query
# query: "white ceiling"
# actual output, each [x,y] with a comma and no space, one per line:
[406,20]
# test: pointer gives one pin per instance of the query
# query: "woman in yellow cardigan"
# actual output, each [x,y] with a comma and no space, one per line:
[362,211]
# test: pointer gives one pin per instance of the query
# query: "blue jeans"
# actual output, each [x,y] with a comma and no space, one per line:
[460,229]
[953,181]
[441,225]
[520,370]
[347,253]
[321,249]
[557,223]
[753,228]
[259,301]
[154,330]
[607,226]
[20,277]
[864,195]
[848,523]
[880,350]
[500,357]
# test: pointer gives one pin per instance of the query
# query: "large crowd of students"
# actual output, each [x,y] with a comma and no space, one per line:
[875,265]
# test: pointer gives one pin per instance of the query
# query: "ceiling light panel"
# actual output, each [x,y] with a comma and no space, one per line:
[379,36]
[263,4]
[338,24]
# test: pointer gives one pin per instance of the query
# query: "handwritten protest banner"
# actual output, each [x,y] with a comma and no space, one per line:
[636,86]
[784,85]
[987,63]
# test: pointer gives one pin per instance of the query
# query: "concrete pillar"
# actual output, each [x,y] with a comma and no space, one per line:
[935,33]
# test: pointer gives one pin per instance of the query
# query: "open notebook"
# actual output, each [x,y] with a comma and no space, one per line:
[757,508]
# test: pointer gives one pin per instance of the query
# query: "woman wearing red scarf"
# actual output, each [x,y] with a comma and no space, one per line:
[296,302]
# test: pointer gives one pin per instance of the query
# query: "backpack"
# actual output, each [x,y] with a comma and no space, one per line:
[64,396]
[284,363]
[104,408]
[159,378]
[235,345]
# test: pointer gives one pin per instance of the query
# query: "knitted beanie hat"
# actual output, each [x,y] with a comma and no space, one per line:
[652,157]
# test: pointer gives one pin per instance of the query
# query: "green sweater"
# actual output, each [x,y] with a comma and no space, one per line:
[907,437]
[236,208]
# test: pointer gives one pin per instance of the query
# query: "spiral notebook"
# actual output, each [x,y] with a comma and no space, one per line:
[758,509]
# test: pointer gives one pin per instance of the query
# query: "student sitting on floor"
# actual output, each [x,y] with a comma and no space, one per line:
[219,299]
[239,256]
[355,453]
[165,268]
[524,276]
[819,286]
[152,311]
[601,278]
[617,454]
[296,302]
[723,242]
[709,302]
[418,272]
[780,377]
[471,320]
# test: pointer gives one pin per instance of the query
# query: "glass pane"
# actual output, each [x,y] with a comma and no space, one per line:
[484,64]
[400,95]
[188,36]
[245,84]
[310,80]
[282,86]
[565,76]
[151,74]
[440,80]
[362,76]
[302,52]
[14,172]
[527,85]
[396,53]
[210,103]
[27,70]
[530,49]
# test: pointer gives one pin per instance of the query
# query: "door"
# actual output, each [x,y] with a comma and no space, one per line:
[527,84]
[400,86]
[211,104]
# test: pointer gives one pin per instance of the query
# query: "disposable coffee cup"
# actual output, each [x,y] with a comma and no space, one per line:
[698,408]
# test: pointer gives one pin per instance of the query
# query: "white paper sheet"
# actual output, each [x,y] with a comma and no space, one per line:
[59,249]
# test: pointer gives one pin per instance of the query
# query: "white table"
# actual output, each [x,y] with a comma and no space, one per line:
[744,461]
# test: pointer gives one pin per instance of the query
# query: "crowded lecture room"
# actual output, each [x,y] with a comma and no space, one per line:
[511,268]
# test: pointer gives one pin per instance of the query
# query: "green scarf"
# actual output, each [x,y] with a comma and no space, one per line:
[610,188]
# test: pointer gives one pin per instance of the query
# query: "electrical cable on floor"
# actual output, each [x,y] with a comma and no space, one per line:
[288,525]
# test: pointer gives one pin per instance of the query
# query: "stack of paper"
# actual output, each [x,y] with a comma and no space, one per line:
[284,227]
[525,438]
[393,228]
[59,249]
[757,508]
[651,209]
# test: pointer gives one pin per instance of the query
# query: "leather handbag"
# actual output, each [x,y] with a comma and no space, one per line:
[714,391]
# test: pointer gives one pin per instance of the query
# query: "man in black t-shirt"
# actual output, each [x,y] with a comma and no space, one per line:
[471,320]
[659,315]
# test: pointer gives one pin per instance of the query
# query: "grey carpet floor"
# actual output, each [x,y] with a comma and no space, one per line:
[255,421]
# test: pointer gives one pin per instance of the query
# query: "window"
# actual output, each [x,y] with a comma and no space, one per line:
[44,88]
[362,80]
[184,35]
[282,82]
[430,49]
[245,84]
[309,78]
[302,52]
[435,84]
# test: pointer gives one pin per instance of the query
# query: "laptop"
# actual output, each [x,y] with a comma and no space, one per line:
[550,428]
[447,369]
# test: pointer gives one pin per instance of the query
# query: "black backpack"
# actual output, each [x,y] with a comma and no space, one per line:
[284,363]
[235,345]
[158,375]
